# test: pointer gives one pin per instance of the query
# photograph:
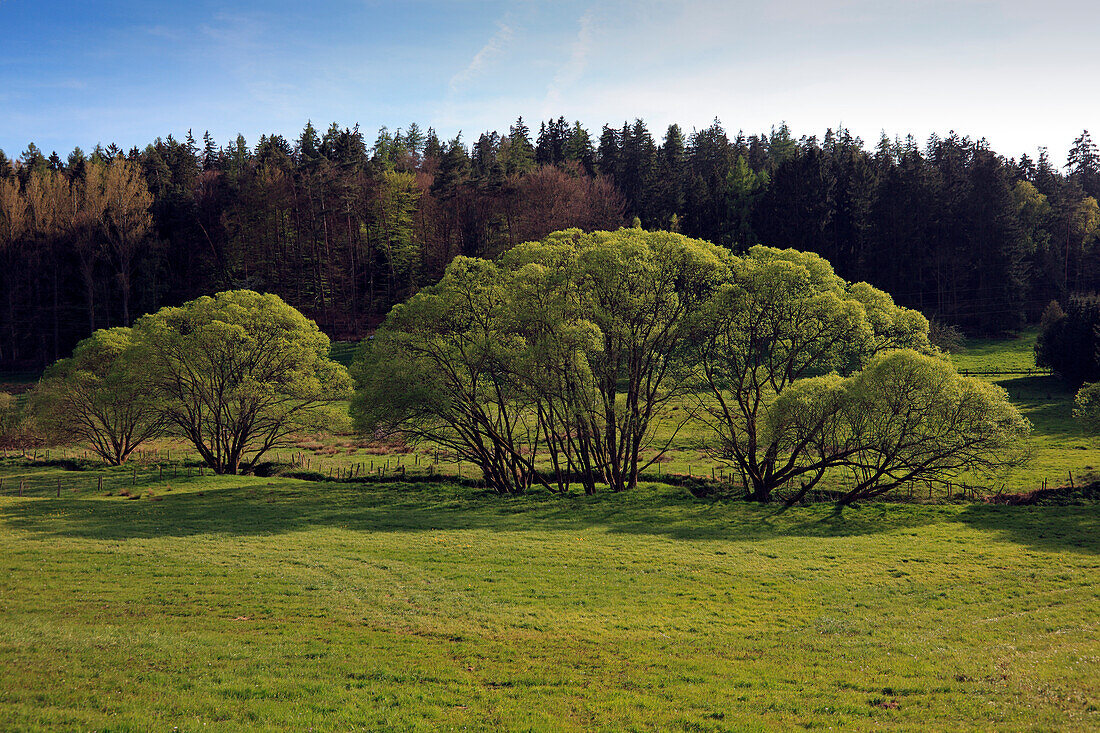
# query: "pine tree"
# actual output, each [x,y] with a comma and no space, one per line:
[309,146]
[519,154]
[433,149]
[671,169]
[1084,165]
[454,169]
[210,154]
[578,148]
[607,154]
[75,164]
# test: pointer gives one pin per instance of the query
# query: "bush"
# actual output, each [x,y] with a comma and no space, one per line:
[1086,407]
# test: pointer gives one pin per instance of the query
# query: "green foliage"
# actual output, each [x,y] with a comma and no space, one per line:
[440,369]
[559,360]
[1086,407]
[9,420]
[908,417]
[238,373]
[565,346]
[392,232]
[1035,216]
[784,316]
[100,396]
[745,186]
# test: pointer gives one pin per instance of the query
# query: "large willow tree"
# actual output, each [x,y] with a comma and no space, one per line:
[237,374]
[775,344]
[548,366]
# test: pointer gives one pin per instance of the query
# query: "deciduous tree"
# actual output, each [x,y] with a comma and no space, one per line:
[238,373]
[783,316]
[100,397]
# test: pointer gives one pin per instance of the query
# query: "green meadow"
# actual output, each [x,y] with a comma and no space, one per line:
[166,600]
[1061,449]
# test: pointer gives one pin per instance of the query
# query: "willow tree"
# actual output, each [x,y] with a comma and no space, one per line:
[100,397]
[905,417]
[441,368]
[237,374]
[608,317]
[552,362]
[783,316]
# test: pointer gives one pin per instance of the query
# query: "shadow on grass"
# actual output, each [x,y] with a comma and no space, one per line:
[288,506]
[1045,527]
[1047,402]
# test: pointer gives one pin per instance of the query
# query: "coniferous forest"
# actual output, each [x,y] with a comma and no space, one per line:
[343,228]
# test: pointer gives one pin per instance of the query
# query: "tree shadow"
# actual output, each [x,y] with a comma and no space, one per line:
[1048,402]
[257,509]
[1073,528]
[289,506]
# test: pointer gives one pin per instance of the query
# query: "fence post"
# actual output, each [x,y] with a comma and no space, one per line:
[58,487]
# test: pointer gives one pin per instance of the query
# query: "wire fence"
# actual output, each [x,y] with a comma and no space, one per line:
[58,473]
[1031,372]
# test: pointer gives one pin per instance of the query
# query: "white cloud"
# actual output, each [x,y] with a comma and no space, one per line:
[496,45]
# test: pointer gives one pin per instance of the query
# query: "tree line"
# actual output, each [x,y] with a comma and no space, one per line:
[576,360]
[344,229]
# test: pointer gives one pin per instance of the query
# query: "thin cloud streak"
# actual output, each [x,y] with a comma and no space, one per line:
[574,67]
[492,50]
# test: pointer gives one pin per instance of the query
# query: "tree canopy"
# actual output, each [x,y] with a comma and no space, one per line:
[560,362]
[563,350]
[1068,342]
[904,417]
[100,396]
[783,316]
[237,373]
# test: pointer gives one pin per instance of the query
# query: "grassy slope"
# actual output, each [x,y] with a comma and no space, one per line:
[283,604]
[1060,445]
[234,603]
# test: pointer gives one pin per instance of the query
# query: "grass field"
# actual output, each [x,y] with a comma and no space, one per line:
[244,603]
[237,603]
[1060,446]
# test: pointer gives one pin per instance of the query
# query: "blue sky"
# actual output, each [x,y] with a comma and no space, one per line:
[1022,74]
